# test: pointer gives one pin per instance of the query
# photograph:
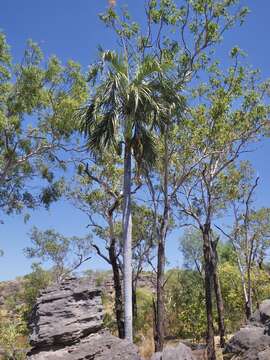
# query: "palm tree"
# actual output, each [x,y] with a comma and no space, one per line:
[121,114]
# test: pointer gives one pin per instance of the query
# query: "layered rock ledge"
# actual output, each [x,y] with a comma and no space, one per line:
[66,323]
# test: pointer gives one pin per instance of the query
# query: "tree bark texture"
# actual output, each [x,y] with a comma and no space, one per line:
[127,241]
[118,295]
[209,272]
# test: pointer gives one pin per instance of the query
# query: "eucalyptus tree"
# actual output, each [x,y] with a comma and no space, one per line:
[121,113]
[191,249]
[97,192]
[65,254]
[249,233]
[37,101]
[231,116]
[173,167]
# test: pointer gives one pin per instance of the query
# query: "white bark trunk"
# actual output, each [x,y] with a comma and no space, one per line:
[243,282]
[127,241]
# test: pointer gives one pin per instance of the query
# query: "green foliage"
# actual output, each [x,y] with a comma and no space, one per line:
[33,283]
[185,311]
[192,249]
[144,319]
[232,291]
[201,25]
[260,285]
[234,302]
[123,108]
[11,341]
[66,254]
[109,319]
[37,102]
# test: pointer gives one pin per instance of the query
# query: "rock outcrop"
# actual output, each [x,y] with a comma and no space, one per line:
[101,346]
[65,313]
[253,341]
[66,324]
[10,289]
[180,352]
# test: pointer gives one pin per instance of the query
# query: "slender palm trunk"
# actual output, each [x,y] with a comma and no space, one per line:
[127,241]
[209,271]
[160,316]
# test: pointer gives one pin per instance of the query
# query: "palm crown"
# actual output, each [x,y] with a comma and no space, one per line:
[125,106]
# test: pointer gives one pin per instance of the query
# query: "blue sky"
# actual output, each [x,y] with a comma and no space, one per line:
[71,29]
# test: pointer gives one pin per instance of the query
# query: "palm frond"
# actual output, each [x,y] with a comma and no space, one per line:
[144,146]
[87,118]
[104,133]
[117,63]
[147,68]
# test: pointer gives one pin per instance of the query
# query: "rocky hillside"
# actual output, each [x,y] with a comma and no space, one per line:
[10,289]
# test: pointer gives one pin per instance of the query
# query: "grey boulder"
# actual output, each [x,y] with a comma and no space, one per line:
[181,352]
[102,346]
[249,343]
[264,310]
[253,341]
[65,313]
[264,355]
[247,339]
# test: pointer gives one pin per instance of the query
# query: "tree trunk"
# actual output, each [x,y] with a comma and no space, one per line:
[134,300]
[160,305]
[209,271]
[249,296]
[220,309]
[154,321]
[160,315]
[219,299]
[127,242]
[243,282]
[118,296]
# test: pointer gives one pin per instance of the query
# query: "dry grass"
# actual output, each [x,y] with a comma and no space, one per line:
[146,345]
[146,348]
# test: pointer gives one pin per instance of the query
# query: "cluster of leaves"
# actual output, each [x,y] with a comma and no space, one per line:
[66,254]
[12,341]
[185,305]
[37,102]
